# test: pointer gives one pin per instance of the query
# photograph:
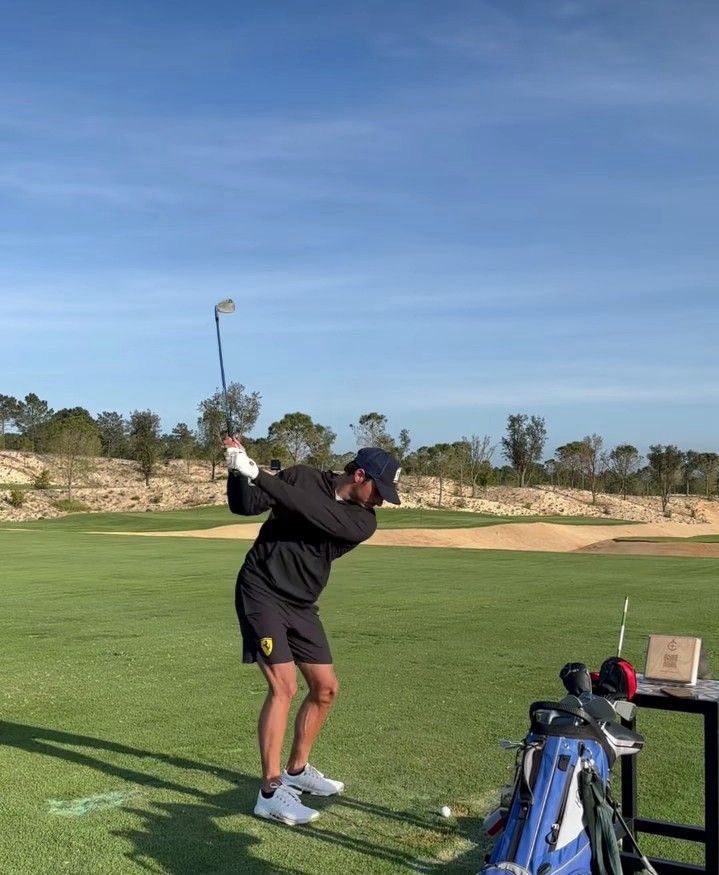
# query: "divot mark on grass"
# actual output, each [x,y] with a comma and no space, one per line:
[90,804]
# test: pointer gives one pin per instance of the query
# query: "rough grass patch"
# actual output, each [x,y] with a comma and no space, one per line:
[70,505]
[16,498]
[42,480]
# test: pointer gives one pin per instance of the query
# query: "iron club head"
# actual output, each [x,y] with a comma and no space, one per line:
[226,306]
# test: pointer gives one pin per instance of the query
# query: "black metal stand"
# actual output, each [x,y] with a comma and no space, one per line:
[705,703]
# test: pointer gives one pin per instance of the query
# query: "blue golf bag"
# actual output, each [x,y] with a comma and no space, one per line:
[560,820]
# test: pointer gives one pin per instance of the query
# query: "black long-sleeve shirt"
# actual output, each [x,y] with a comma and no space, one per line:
[307,528]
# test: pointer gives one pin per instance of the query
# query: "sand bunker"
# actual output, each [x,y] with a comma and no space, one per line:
[648,548]
[541,537]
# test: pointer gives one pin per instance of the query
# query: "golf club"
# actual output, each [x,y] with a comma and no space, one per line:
[621,630]
[226,306]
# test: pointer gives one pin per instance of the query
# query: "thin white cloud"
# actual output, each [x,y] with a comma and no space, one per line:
[61,183]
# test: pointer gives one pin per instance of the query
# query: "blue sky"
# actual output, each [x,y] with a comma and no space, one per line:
[446,212]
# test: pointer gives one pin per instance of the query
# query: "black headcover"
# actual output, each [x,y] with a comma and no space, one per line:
[576,678]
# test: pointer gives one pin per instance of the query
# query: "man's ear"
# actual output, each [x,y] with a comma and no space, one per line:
[359,475]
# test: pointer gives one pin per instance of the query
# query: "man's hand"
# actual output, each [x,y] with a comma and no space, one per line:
[238,460]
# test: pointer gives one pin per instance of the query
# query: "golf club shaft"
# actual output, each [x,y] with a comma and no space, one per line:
[222,372]
[621,630]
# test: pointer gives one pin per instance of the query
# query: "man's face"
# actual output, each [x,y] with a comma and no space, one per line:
[364,491]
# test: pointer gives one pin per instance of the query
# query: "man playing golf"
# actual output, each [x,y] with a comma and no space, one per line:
[315,517]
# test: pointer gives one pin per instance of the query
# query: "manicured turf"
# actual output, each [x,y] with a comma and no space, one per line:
[219,515]
[127,730]
[168,521]
[446,519]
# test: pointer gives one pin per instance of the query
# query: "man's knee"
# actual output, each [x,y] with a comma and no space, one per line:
[325,692]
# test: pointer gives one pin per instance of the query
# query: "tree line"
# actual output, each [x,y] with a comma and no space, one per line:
[73,435]
[471,463]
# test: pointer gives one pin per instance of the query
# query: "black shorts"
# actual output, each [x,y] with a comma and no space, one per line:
[276,630]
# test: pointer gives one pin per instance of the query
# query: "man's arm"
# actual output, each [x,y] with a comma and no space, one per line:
[243,498]
[349,523]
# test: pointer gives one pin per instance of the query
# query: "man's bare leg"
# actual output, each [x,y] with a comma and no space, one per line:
[282,681]
[323,686]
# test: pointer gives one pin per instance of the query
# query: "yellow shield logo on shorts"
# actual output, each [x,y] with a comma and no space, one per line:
[266,645]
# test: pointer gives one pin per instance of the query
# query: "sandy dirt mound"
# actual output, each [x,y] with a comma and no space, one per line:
[648,548]
[117,485]
[109,485]
[539,537]
[552,501]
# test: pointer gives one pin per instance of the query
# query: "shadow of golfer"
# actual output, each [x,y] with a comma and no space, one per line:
[189,839]
[184,838]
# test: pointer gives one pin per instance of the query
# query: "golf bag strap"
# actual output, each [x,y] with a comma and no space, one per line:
[580,714]
[598,814]
[648,868]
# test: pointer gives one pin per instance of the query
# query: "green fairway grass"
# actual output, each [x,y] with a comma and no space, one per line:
[449,519]
[127,729]
[219,515]
[151,521]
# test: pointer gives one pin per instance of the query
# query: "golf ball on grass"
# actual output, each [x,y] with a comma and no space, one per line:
[445,811]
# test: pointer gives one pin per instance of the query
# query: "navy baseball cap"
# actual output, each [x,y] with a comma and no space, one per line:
[383,468]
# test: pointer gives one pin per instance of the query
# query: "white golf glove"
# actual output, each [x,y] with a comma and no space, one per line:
[238,460]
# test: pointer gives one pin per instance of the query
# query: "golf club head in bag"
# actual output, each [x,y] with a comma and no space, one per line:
[616,680]
[576,678]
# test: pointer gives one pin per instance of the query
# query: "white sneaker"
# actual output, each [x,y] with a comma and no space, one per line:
[284,805]
[312,781]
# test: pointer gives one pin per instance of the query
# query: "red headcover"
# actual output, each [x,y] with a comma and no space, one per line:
[616,677]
